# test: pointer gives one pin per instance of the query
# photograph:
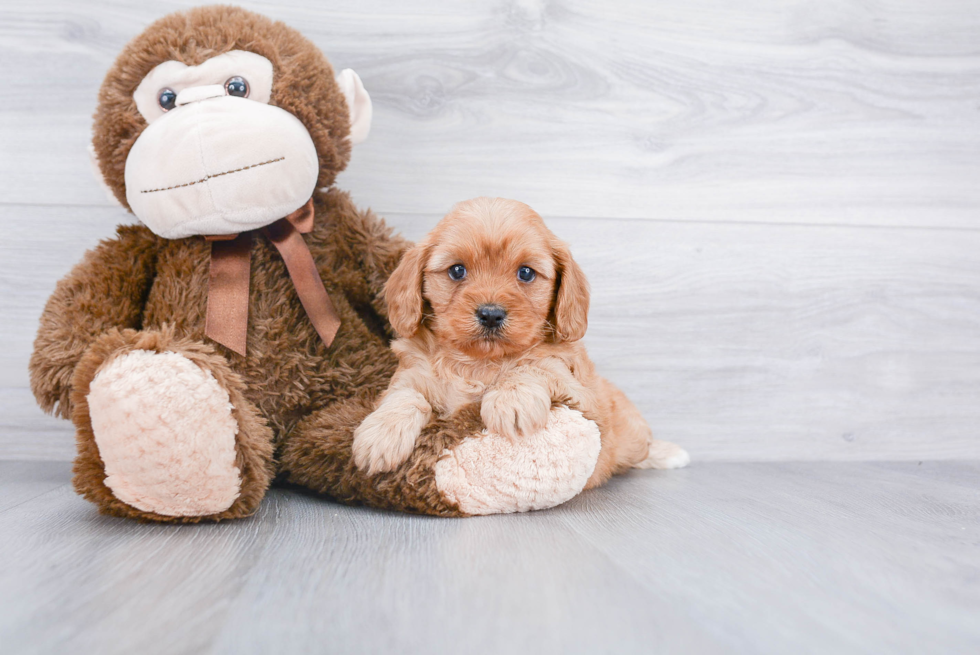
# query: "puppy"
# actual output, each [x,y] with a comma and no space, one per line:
[490,308]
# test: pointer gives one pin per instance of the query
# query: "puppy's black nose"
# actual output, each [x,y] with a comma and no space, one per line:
[491,316]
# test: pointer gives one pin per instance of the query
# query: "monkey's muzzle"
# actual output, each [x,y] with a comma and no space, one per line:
[220,165]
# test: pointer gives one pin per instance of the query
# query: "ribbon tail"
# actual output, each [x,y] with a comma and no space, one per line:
[227,317]
[306,278]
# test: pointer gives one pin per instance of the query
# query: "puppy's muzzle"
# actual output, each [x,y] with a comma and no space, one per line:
[491,316]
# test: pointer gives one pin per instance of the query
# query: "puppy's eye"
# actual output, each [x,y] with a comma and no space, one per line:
[237,86]
[167,99]
[457,272]
[526,274]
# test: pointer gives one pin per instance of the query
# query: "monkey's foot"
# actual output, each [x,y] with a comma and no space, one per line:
[165,433]
[493,474]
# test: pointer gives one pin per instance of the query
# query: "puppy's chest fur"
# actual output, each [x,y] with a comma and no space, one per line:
[450,381]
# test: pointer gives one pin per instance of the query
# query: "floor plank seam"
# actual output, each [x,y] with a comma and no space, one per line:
[671,221]
[33,498]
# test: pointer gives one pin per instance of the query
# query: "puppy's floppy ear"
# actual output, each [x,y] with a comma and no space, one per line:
[570,313]
[403,292]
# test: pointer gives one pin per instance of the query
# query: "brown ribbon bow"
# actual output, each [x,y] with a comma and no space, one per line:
[227,319]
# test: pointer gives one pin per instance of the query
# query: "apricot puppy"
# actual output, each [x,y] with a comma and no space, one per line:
[489,308]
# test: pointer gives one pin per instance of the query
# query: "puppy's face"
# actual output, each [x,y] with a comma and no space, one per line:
[489,278]
[496,279]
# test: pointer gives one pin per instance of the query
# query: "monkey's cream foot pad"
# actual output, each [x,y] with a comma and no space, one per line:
[166,434]
[493,474]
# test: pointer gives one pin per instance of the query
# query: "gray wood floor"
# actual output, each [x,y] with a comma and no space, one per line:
[722,557]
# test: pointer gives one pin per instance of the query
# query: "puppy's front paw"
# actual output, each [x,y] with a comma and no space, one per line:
[517,410]
[387,436]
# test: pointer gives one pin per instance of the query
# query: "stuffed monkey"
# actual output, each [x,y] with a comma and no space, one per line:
[239,334]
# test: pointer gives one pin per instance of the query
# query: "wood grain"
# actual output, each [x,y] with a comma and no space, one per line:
[849,113]
[776,203]
[23,481]
[739,341]
[718,558]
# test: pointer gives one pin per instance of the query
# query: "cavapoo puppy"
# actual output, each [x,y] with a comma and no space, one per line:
[490,308]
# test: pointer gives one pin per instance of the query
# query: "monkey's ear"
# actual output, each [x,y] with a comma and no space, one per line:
[403,292]
[97,171]
[358,103]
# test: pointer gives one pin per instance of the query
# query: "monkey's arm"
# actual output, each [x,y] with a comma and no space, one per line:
[364,244]
[106,290]
[380,252]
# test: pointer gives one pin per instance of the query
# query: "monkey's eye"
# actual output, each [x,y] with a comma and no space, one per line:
[526,274]
[457,272]
[167,99]
[237,86]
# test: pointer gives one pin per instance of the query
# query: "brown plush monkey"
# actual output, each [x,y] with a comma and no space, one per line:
[240,333]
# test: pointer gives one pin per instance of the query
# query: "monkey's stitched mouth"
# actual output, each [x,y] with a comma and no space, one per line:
[208,177]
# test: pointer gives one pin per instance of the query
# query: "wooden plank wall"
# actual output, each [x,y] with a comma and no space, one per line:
[776,203]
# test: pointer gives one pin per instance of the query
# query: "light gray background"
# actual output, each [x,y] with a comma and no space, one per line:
[776,202]
[778,206]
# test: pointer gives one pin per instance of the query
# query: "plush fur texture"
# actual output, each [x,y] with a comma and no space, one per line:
[295,402]
[318,456]
[253,443]
[158,288]
[496,253]
[165,430]
[478,475]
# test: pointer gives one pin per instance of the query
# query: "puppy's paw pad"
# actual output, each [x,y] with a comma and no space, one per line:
[665,455]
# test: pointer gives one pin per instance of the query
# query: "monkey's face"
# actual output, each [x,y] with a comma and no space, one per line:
[216,158]
[213,153]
